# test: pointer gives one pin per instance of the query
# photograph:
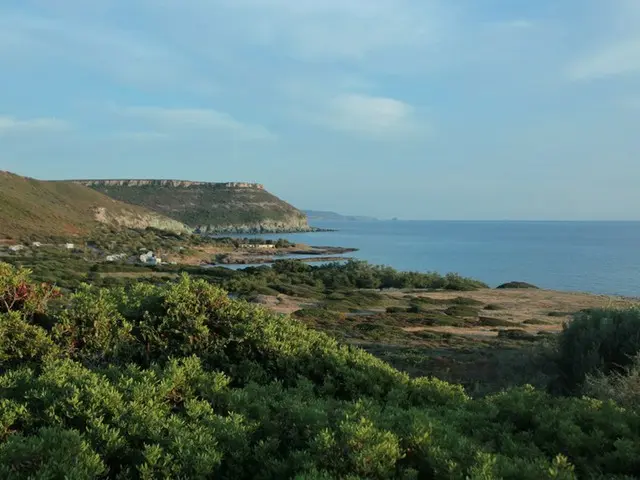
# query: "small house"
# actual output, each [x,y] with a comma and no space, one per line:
[150,259]
[16,248]
[36,244]
[69,246]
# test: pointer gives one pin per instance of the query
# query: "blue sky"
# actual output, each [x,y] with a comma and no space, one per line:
[423,109]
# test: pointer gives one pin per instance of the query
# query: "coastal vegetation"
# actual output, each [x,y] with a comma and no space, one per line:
[178,380]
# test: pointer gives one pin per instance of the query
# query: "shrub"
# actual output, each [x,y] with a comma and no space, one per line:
[495,322]
[52,452]
[602,341]
[517,285]
[465,301]
[535,321]
[218,388]
[462,311]
[22,343]
[622,387]
[397,310]
[516,334]
[17,293]
[494,306]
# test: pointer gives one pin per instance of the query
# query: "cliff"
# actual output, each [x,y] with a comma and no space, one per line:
[35,208]
[233,207]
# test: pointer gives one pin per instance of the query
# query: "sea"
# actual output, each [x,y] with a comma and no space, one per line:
[594,257]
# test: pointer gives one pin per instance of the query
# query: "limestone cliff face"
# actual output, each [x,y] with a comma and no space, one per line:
[166,183]
[129,218]
[267,226]
[233,207]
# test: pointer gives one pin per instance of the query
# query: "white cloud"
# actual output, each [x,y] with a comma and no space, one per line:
[10,125]
[312,29]
[196,119]
[612,60]
[374,117]
[615,43]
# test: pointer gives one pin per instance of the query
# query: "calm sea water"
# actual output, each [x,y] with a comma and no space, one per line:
[598,257]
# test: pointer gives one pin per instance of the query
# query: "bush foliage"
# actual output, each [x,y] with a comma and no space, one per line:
[180,381]
[598,341]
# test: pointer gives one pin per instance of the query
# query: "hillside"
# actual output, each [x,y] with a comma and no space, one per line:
[336,217]
[208,207]
[35,208]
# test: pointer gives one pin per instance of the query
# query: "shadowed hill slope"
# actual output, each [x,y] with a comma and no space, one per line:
[208,207]
[35,208]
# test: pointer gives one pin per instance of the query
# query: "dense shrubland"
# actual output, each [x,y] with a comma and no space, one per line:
[180,381]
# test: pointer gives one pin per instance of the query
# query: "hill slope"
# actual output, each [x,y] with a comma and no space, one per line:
[208,207]
[30,207]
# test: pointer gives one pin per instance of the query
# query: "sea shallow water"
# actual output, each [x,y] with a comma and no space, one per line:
[598,257]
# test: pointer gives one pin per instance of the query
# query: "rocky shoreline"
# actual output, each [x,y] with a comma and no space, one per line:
[268,260]
[301,253]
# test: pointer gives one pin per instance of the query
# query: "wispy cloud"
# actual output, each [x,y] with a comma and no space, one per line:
[615,44]
[196,119]
[373,117]
[619,58]
[10,125]
[123,56]
[316,30]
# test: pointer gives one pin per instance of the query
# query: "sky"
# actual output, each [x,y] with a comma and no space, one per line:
[417,109]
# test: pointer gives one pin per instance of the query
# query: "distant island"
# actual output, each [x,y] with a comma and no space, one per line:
[315,215]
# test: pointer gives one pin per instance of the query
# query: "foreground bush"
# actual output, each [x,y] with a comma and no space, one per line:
[623,387]
[180,381]
[598,341]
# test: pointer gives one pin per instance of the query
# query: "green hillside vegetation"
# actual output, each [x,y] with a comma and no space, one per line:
[41,210]
[180,381]
[209,206]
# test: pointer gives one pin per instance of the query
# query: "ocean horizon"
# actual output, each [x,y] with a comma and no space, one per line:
[600,257]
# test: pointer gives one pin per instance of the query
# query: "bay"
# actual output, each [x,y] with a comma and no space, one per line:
[597,257]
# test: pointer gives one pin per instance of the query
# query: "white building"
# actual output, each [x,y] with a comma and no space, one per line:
[36,244]
[150,259]
[69,246]
[16,248]
[116,257]
[257,245]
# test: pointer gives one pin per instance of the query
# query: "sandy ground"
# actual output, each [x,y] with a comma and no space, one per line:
[517,306]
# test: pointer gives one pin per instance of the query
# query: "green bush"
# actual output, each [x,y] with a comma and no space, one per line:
[462,311]
[603,341]
[22,343]
[622,387]
[517,285]
[397,310]
[535,321]
[494,306]
[517,334]
[495,322]
[180,381]
[466,301]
